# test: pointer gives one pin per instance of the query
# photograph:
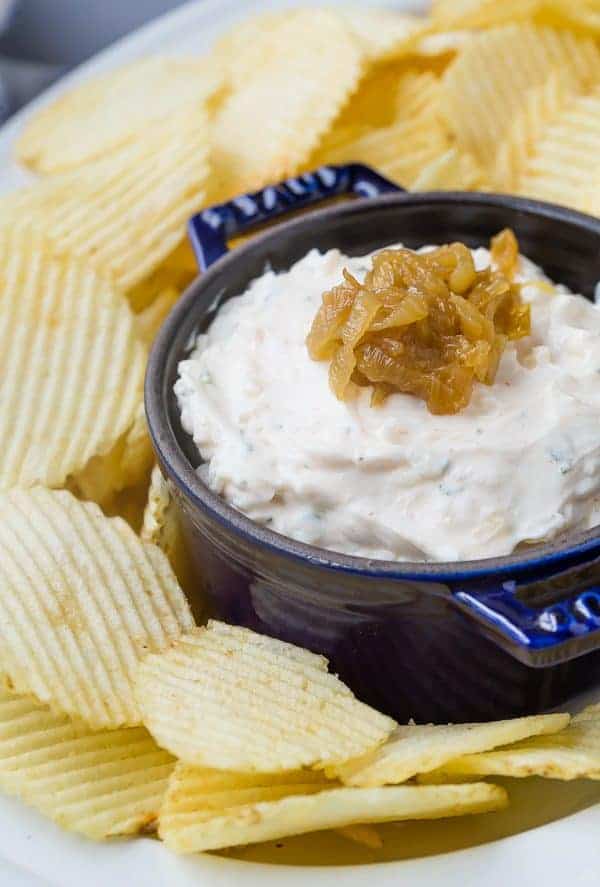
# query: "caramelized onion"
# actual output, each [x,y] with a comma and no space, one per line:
[427,324]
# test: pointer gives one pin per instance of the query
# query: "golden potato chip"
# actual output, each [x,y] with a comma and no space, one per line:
[441,43]
[125,212]
[161,526]
[71,364]
[418,749]
[127,464]
[402,148]
[105,112]
[487,85]
[200,813]
[480,13]
[384,33]
[543,105]
[267,128]
[451,171]
[574,753]
[244,47]
[564,164]
[229,698]
[109,782]
[82,600]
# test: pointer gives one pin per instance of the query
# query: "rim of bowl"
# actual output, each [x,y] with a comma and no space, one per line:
[184,476]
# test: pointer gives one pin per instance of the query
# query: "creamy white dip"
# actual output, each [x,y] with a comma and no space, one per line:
[521,463]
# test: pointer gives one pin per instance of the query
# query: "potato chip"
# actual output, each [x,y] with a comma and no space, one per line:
[384,33]
[480,13]
[109,782]
[451,171]
[401,149]
[574,753]
[201,813]
[267,128]
[564,165]
[418,749]
[487,85]
[245,46]
[103,113]
[82,600]
[229,698]
[71,364]
[127,211]
[161,526]
[543,105]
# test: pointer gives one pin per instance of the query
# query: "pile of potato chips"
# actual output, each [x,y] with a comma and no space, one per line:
[118,713]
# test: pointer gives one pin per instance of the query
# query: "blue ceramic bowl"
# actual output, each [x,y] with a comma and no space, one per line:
[437,641]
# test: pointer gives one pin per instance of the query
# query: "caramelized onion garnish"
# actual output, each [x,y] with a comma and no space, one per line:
[426,324]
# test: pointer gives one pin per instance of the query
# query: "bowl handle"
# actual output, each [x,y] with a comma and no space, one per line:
[539,636]
[210,229]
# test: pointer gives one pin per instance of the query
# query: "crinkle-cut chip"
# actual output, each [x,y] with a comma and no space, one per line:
[487,84]
[384,33]
[128,463]
[161,526]
[71,364]
[564,165]
[573,753]
[481,13]
[402,148]
[125,212]
[419,749]
[229,698]
[543,105]
[161,523]
[150,320]
[266,129]
[97,783]
[82,600]
[200,815]
[246,45]
[92,119]
[452,171]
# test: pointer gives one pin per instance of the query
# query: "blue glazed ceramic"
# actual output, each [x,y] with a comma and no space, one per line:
[436,642]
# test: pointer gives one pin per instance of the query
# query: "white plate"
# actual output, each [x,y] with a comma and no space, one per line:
[34,852]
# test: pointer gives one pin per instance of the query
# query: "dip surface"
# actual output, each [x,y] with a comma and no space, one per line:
[521,463]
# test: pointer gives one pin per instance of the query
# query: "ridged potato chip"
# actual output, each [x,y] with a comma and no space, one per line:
[451,171]
[384,33]
[104,783]
[82,600]
[126,212]
[200,813]
[229,698]
[488,83]
[543,105]
[161,526]
[419,749]
[402,147]
[71,364]
[105,112]
[564,164]
[574,753]
[267,128]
